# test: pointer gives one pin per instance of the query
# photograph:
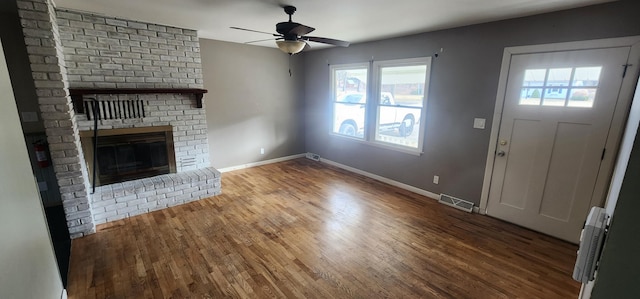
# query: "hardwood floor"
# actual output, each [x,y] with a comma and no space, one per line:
[304,229]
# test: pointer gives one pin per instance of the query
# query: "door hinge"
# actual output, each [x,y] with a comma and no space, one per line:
[626,66]
[603,151]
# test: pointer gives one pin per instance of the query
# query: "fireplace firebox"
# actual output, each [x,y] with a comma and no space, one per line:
[129,154]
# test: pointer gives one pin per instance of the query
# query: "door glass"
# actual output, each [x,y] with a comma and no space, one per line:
[582,97]
[530,96]
[560,87]
[559,77]
[554,95]
[532,78]
[587,76]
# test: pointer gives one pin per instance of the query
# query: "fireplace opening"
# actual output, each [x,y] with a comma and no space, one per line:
[129,154]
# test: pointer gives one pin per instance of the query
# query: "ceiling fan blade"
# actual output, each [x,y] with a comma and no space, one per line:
[260,40]
[325,40]
[251,30]
[301,30]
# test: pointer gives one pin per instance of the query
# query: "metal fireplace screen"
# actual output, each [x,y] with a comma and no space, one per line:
[130,156]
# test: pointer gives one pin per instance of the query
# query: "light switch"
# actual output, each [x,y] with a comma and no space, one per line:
[478,123]
[29,117]
[42,186]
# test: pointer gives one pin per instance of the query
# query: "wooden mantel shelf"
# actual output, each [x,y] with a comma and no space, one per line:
[78,93]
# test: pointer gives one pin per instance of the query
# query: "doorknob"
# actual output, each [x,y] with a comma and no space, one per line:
[501,154]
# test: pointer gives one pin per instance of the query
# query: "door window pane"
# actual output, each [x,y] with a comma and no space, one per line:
[530,96]
[554,96]
[582,97]
[587,76]
[534,77]
[400,105]
[559,77]
[350,98]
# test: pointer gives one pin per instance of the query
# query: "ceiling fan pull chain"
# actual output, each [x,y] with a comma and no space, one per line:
[290,64]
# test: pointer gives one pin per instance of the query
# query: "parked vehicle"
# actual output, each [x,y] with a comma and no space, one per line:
[349,115]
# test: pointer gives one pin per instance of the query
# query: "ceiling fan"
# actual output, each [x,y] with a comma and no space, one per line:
[291,37]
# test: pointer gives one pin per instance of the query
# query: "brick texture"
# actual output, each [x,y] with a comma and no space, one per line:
[41,34]
[123,200]
[116,53]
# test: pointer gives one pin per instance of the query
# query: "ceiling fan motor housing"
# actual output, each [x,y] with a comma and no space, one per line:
[289,10]
[285,28]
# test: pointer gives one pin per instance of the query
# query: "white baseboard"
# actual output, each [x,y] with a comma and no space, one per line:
[383,179]
[345,167]
[64,294]
[260,163]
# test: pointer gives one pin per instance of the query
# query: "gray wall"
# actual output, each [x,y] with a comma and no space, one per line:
[252,103]
[619,270]
[28,267]
[464,80]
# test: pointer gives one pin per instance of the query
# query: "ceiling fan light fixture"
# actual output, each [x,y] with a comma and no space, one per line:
[291,46]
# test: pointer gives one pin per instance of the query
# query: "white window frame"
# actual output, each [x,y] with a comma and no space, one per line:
[373,102]
[350,66]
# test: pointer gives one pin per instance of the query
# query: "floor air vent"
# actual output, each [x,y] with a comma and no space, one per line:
[312,156]
[457,203]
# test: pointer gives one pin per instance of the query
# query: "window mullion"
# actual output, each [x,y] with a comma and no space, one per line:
[372,109]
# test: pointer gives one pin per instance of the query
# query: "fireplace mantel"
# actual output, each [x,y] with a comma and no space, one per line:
[78,93]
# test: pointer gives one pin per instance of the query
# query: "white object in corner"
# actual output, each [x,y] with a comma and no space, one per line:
[591,241]
[64,294]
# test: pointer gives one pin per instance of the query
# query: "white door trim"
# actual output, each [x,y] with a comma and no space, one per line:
[620,114]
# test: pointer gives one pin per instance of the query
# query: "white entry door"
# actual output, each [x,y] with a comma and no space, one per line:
[557,114]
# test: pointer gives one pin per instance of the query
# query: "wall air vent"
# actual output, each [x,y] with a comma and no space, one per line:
[457,203]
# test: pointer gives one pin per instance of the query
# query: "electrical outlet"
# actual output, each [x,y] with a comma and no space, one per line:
[262,150]
[436,179]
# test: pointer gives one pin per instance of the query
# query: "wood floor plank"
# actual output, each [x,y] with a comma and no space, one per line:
[302,229]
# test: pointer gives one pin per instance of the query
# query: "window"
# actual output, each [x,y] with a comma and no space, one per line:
[393,115]
[570,87]
[350,99]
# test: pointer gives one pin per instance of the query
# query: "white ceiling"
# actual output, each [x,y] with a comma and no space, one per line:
[350,20]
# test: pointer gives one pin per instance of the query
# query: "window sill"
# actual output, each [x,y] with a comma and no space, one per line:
[378,144]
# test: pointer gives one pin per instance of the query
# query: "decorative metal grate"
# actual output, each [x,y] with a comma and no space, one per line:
[114,109]
[457,203]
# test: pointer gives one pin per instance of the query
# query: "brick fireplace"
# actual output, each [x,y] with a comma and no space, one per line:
[69,49]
